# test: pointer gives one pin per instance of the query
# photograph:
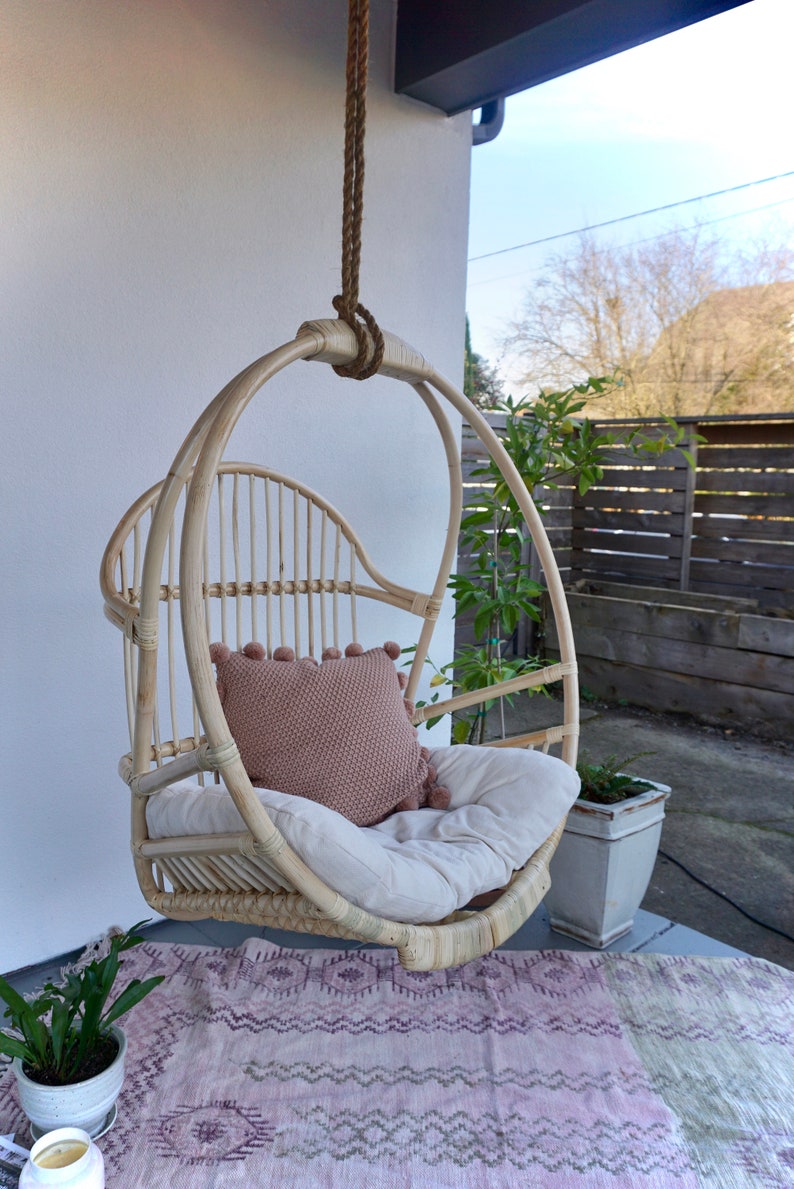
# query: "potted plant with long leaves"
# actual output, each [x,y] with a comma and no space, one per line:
[66,1047]
[603,864]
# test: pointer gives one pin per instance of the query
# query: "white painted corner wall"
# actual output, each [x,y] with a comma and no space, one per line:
[171,209]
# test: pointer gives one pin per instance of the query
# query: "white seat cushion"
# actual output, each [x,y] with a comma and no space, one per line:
[418,865]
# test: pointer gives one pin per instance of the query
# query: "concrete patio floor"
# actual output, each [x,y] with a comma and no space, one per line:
[726,860]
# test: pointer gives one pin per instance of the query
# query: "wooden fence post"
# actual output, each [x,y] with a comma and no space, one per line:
[689,503]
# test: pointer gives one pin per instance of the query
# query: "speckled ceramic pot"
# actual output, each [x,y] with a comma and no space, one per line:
[83,1104]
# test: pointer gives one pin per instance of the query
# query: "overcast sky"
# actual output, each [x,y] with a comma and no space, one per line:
[707,108]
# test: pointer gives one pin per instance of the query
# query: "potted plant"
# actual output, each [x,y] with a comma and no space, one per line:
[603,864]
[67,1051]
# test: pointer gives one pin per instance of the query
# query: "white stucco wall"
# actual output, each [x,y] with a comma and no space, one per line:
[171,209]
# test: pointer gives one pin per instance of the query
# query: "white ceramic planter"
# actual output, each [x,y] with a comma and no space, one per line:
[603,865]
[85,1105]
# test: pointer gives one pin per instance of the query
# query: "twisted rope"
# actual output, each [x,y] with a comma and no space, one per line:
[346,304]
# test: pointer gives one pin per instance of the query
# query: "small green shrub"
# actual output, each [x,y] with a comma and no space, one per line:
[607,783]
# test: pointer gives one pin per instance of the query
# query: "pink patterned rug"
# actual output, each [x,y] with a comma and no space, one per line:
[262,1066]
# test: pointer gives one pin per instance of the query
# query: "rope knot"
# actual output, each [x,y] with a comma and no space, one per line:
[369,338]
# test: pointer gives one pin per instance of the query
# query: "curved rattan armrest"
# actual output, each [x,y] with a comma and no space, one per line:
[489,693]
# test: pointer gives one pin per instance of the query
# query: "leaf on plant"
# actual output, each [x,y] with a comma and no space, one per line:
[131,995]
[460,731]
[12,1046]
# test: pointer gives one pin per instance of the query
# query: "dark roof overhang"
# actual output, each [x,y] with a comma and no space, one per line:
[458,55]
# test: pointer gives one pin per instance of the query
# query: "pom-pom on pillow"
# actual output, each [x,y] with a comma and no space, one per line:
[338,733]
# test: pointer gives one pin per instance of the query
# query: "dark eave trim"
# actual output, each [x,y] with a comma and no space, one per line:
[457,55]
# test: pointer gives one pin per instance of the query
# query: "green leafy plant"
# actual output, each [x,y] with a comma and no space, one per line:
[473,669]
[63,1034]
[607,783]
[548,442]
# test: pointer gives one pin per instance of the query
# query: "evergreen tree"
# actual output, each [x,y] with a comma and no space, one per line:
[480,381]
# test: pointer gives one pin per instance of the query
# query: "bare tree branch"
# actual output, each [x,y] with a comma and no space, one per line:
[690,327]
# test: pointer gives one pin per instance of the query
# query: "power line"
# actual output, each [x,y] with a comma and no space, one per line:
[632,243]
[627,218]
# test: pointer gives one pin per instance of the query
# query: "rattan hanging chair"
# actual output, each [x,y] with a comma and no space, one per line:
[293,573]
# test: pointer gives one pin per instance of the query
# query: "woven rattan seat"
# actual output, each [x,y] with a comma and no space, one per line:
[233,551]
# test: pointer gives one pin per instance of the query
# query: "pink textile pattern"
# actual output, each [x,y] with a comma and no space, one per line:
[332,1069]
[338,733]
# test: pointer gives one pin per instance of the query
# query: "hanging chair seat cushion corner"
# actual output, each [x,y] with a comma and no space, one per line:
[418,865]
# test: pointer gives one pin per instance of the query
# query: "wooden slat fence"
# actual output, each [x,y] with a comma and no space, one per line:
[724,527]
[681,579]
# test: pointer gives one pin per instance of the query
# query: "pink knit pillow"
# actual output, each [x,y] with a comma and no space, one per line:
[337,732]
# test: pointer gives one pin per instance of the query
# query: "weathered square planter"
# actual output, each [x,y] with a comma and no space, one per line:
[714,658]
[603,865]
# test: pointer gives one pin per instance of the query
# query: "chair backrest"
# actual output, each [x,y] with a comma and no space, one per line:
[280,565]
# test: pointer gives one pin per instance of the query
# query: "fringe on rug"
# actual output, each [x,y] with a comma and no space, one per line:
[95,950]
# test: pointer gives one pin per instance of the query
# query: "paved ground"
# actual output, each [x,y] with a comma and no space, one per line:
[729,822]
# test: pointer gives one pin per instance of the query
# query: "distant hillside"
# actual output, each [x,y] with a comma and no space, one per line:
[732,353]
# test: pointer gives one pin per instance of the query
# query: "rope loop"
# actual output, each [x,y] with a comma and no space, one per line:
[368,334]
[369,338]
